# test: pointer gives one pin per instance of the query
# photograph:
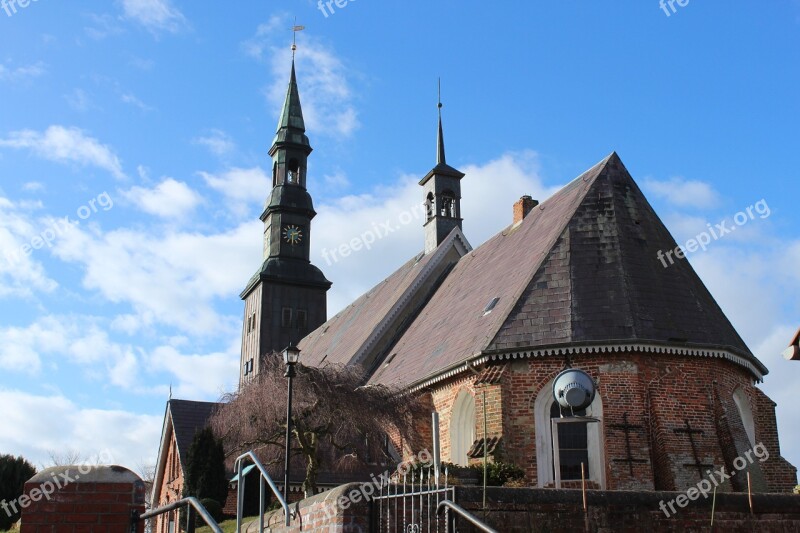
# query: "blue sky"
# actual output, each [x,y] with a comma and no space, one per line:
[148,123]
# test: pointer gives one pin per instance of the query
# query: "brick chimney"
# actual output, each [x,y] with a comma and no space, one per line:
[523,207]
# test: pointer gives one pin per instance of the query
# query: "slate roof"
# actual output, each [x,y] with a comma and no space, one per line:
[188,418]
[339,339]
[580,269]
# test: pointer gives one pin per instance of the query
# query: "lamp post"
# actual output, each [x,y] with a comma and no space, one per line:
[290,356]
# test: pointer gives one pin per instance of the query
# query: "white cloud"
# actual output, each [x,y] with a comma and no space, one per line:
[169,199]
[33,186]
[33,426]
[21,74]
[199,376]
[20,273]
[683,193]
[131,99]
[325,92]
[102,26]
[66,145]
[173,279]
[217,142]
[241,187]
[78,100]
[485,207]
[79,340]
[154,15]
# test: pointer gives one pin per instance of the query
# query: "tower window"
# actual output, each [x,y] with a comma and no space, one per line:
[302,320]
[294,171]
[448,205]
[429,208]
[286,317]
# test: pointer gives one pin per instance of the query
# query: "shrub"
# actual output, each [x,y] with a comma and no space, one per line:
[498,474]
[213,507]
[14,472]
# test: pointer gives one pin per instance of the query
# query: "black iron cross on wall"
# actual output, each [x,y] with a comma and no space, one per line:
[626,427]
[692,432]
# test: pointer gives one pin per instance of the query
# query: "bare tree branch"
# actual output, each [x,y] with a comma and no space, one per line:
[334,418]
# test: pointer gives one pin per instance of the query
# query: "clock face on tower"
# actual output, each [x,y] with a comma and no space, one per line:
[292,234]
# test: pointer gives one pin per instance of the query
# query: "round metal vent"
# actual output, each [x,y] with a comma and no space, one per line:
[573,389]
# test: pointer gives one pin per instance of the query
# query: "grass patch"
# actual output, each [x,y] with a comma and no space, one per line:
[228,526]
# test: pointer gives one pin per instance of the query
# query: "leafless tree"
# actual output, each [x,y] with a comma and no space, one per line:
[147,471]
[65,458]
[337,423]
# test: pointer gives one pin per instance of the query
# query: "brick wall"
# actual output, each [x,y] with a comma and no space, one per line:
[656,395]
[82,499]
[525,510]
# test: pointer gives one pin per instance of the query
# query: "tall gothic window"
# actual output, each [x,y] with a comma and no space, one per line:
[577,441]
[573,445]
[462,427]
[429,207]
[746,413]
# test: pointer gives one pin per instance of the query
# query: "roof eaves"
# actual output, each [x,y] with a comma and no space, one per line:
[166,431]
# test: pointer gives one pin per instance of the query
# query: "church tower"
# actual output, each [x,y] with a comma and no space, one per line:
[286,298]
[442,187]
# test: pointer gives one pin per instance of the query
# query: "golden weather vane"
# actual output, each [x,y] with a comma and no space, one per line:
[295,29]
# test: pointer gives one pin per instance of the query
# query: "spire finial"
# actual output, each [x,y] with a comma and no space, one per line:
[440,158]
[295,29]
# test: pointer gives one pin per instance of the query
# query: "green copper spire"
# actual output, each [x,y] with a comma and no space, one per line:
[291,126]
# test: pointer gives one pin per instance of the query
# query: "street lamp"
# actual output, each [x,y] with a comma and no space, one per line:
[291,355]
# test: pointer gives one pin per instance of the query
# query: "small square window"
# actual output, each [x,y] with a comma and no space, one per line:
[286,317]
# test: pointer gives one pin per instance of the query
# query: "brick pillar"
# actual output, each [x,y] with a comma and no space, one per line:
[82,499]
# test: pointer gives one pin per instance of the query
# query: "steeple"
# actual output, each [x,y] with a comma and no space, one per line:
[442,187]
[286,298]
[291,126]
[440,158]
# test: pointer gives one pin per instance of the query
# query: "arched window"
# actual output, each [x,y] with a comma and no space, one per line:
[294,171]
[429,208]
[274,174]
[462,428]
[573,445]
[746,413]
[583,442]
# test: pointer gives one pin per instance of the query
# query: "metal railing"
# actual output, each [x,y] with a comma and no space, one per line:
[410,508]
[444,505]
[264,476]
[193,506]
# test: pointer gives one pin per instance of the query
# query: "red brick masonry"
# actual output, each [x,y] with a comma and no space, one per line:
[82,499]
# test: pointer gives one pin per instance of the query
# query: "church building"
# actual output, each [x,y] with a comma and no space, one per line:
[576,281]
[481,333]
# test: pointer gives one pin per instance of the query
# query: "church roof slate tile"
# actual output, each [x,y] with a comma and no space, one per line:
[580,269]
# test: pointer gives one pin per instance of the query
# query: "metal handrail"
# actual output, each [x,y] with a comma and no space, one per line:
[240,492]
[464,514]
[191,502]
